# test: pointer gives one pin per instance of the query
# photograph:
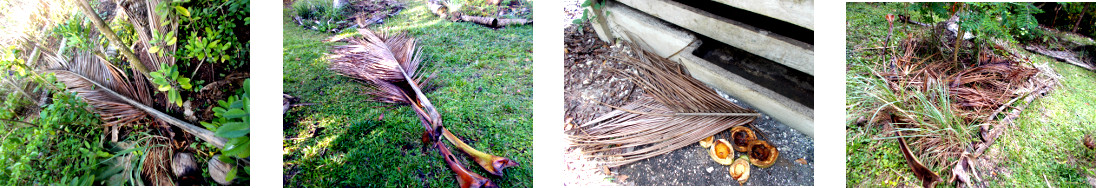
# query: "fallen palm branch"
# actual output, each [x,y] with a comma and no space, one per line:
[491,163]
[85,87]
[928,178]
[677,111]
[441,8]
[1065,56]
[889,118]
[389,63]
[465,178]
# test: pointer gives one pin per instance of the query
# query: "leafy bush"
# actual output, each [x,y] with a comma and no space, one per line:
[167,79]
[61,146]
[1008,21]
[75,32]
[215,31]
[233,122]
[320,14]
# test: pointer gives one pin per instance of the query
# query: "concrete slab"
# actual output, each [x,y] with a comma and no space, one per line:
[783,109]
[639,28]
[798,12]
[795,54]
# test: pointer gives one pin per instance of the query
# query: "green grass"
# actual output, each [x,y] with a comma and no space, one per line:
[1044,147]
[484,96]
[873,160]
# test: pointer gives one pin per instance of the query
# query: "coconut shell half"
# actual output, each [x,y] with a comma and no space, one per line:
[721,152]
[742,137]
[762,154]
[707,142]
[740,169]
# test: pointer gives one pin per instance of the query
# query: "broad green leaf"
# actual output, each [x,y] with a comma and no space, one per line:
[184,83]
[209,126]
[219,111]
[182,11]
[233,129]
[239,147]
[231,175]
[154,49]
[235,113]
[164,87]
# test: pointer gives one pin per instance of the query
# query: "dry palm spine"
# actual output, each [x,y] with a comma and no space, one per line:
[389,63]
[678,110]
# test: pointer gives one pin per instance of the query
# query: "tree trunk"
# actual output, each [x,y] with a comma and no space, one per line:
[105,30]
[1078,24]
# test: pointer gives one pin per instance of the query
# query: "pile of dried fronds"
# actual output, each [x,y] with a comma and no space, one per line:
[390,63]
[444,9]
[941,104]
[677,111]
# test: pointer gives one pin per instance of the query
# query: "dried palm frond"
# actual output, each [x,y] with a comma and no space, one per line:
[99,83]
[84,69]
[677,111]
[155,166]
[388,63]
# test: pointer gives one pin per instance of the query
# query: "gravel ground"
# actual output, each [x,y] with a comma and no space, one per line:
[691,165]
[587,80]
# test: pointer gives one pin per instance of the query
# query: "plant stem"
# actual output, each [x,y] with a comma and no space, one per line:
[465,177]
[491,163]
[98,22]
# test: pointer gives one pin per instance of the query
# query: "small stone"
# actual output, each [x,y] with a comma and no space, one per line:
[710,169]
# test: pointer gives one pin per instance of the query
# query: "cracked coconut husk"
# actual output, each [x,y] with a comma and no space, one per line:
[677,111]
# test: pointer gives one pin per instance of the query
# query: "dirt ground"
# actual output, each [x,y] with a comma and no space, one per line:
[588,81]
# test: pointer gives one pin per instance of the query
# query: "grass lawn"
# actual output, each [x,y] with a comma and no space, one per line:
[1042,148]
[484,93]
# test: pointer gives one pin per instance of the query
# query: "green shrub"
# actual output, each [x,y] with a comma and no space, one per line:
[59,147]
[1009,21]
[215,31]
[233,122]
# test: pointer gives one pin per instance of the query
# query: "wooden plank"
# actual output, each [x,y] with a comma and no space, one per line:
[798,12]
[795,54]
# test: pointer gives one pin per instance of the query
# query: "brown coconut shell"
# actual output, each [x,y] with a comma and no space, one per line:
[762,154]
[741,135]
